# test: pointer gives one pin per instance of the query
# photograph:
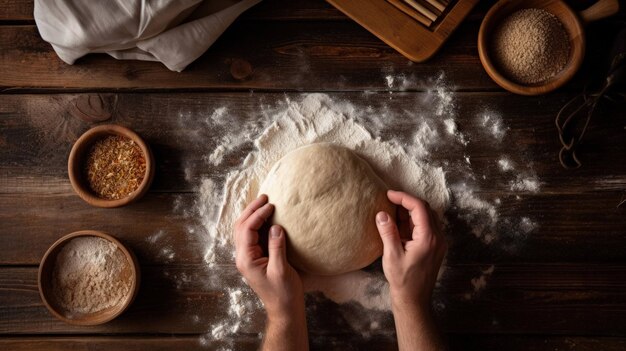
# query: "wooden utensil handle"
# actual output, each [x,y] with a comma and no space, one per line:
[600,10]
[402,6]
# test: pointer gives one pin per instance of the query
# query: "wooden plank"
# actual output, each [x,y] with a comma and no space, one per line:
[272,10]
[389,22]
[570,228]
[284,55]
[312,54]
[569,288]
[287,55]
[339,343]
[117,343]
[153,228]
[529,342]
[297,10]
[560,299]
[281,10]
[575,211]
[165,304]
[16,10]
[294,10]
[307,55]
[38,132]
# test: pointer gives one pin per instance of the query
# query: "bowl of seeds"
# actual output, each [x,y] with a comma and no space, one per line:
[88,278]
[531,47]
[110,166]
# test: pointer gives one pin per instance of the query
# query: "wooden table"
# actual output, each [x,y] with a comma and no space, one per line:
[565,289]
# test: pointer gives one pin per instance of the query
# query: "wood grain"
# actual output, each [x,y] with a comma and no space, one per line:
[292,55]
[292,46]
[330,343]
[565,299]
[575,210]
[560,288]
[396,27]
[286,55]
[16,10]
[272,10]
[570,228]
[39,130]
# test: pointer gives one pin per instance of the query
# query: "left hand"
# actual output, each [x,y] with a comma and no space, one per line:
[277,284]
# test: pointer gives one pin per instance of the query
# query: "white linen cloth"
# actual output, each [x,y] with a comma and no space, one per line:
[174,32]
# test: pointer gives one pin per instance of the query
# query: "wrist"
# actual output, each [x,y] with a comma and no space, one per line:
[403,301]
[286,313]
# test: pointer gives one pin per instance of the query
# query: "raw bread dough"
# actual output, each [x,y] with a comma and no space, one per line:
[326,198]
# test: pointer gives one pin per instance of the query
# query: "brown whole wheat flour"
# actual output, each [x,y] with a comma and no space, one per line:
[530,46]
[87,276]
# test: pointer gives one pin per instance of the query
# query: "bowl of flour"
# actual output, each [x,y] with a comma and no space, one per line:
[88,278]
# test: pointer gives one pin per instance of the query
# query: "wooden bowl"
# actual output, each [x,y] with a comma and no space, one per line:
[45,277]
[571,24]
[79,153]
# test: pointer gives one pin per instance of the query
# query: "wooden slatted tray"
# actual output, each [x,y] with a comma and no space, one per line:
[413,37]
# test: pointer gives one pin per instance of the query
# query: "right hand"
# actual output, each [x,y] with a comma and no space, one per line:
[411,267]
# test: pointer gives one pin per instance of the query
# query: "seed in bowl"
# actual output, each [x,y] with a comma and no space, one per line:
[530,46]
[115,167]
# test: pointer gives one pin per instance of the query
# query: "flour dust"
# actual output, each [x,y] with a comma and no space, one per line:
[419,147]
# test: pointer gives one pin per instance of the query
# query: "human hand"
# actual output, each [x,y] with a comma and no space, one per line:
[276,283]
[411,266]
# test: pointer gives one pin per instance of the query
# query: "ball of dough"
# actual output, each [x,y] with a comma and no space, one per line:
[326,197]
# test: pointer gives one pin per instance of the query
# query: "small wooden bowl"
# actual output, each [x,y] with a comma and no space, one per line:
[571,24]
[45,277]
[79,153]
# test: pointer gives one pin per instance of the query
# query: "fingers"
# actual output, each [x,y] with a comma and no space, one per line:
[277,249]
[253,206]
[246,235]
[392,246]
[419,211]
[405,200]
[256,220]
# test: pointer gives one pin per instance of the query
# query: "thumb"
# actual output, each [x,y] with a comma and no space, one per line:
[277,248]
[388,231]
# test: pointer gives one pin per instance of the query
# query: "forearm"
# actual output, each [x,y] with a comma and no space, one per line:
[415,328]
[286,331]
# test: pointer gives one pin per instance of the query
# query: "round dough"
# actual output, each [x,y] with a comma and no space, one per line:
[326,198]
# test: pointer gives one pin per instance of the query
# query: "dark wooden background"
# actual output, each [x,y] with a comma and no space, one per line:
[564,290]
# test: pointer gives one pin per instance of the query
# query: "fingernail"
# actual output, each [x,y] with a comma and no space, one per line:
[275,231]
[382,218]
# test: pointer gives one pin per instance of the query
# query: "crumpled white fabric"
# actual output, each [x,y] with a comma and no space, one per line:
[174,32]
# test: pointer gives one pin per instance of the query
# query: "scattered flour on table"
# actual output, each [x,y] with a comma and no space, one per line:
[525,184]
[479,283]
[370,290]
[420,149]
[481,215]
[506,164]
[492,124]
[317,118]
